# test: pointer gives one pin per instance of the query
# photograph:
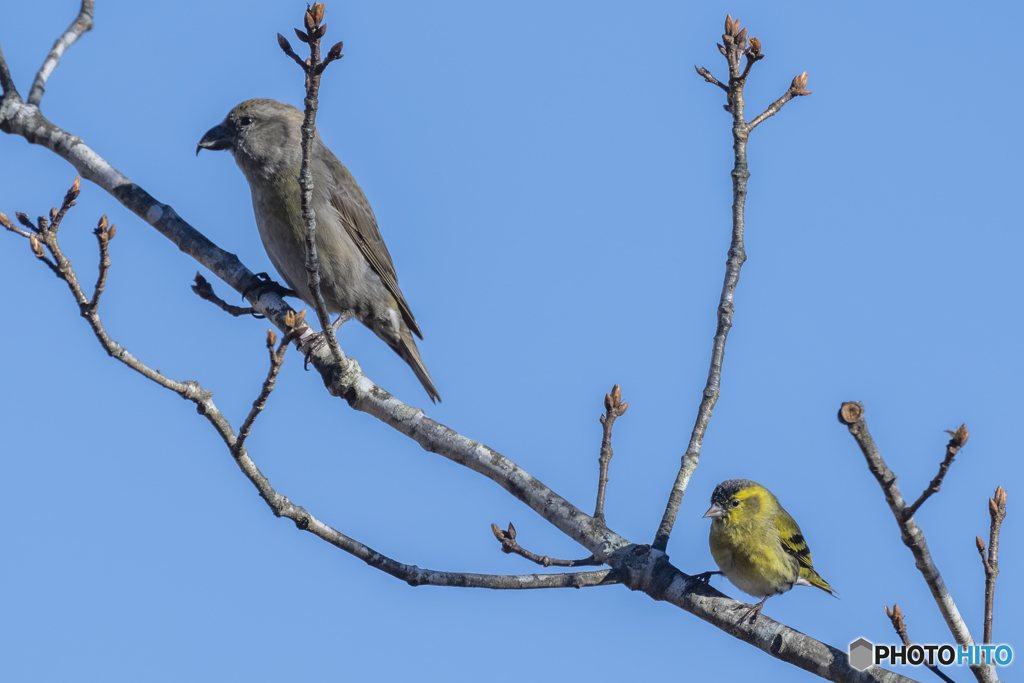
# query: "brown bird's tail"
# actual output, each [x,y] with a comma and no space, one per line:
[405,346]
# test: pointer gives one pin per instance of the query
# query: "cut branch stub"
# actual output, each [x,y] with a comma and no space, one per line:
[851,412]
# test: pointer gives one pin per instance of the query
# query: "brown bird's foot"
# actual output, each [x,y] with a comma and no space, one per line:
[312,343]
[754,610]
[703,577]
[265,283]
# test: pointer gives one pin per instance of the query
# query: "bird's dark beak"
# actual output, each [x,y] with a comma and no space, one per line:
[218,137]
[715,512]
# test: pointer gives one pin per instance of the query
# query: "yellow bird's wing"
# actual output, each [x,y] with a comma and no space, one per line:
[794,544]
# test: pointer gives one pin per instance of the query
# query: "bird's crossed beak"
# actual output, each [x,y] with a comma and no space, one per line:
[218,137]
[716,511]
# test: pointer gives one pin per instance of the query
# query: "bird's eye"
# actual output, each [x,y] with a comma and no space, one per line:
[245,121]
[735,503]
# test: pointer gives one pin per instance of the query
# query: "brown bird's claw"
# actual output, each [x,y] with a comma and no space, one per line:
[265,283]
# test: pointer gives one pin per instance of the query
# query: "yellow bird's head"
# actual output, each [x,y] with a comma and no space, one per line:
[738,500]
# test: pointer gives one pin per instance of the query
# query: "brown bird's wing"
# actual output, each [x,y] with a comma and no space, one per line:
[361,225]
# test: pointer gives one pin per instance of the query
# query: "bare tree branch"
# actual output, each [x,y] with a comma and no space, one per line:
[797,89]
[313,16]
[735,49]
[81,24]
[614,407]
[279,504]
[640,567]
[852,415]
[509,545]
[956,442]
[896,617]
[997,511]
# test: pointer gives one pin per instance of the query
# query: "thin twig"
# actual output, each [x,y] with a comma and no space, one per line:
[798,88]
[852,415]
[957,440]
[509,545]
[711,79]
[896,617]
[276,361]
[103,236]
[614,407]
[735,42]
[81,24]
[997,511]
[312,68]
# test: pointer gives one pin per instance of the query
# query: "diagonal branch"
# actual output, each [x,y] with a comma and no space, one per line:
[279,504]
[956,442]
[896,617]
[852,415]
[798,88]
[81,24]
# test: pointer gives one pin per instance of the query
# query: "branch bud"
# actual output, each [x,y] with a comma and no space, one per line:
[76,187]
[980,544]
[110,233]
[511,531]
[799,82]
[283,43]
[622,408]
[53,214]
[1000,497]
[741,38]
[318,12]
[308,20]
[37,248]
[335,52]
[302,36]
[5,221]
[271,339]
[755,46]
[958,437]
[721,49]
[102,225]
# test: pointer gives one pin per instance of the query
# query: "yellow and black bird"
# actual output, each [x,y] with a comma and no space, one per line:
[756,544]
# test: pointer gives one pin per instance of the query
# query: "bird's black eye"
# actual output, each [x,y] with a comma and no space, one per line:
[734,502]
[245,121]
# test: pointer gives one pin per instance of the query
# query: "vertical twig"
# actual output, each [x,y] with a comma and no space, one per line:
[614,407]
[734,50]
[997,511]
[313,68]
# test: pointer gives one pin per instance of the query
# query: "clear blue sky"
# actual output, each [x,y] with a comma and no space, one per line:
[552,180]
